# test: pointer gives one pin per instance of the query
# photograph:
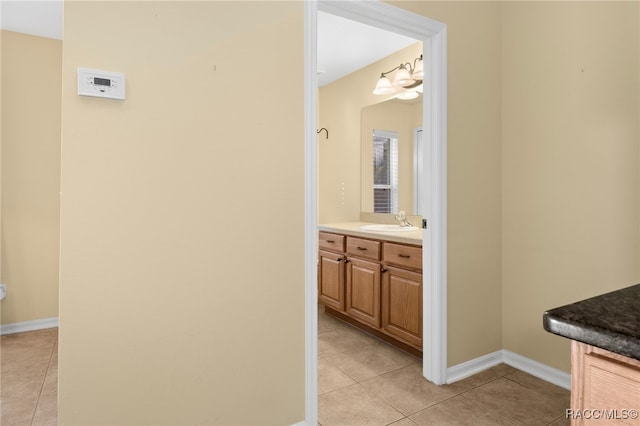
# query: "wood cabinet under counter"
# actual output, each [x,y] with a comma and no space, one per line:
[605,356]
[605,385]
[373,284]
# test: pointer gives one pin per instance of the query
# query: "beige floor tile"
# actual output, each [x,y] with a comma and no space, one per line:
[503,369]
[406,390]
[54,355]
[327,322]
[18,413]
[458,411]
[22,351]
[404,422]
[32,341]
[518,403]
[354,406]
[331,378]
[480,378]
[562,421]
[371,361]
[22,384]
[539,385]
[46,413]
[20,359]
[341,340]
[51,380]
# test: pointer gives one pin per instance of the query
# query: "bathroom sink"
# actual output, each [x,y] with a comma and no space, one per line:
[388,228]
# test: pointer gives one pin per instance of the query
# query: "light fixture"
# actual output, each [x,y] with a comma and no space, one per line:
[407,95]
[407,76]
[403,77]
[418,70]
[383,87]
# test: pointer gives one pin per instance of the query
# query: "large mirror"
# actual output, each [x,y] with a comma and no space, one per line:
[390,135]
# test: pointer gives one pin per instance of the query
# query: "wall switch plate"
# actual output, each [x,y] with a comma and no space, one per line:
[3,291]
[101,84]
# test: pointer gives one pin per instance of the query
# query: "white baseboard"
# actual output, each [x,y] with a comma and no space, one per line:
[538,369]
[19,327]
[535,368]
[476,365]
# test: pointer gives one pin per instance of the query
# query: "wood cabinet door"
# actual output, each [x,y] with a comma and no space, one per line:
[331,279]
[363,291]
[402,304]
[611,391]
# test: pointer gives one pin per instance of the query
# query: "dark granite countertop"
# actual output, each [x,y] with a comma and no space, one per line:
[610,321]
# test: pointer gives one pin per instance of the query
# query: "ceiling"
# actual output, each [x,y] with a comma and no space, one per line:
[41,18]
[344,46]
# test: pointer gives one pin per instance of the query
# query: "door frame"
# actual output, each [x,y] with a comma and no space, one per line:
[434,37]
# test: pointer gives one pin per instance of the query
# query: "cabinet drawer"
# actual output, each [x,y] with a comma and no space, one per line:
[401,255]
[334,242]
[363,248]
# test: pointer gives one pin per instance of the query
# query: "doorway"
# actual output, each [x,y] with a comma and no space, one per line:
[433,35]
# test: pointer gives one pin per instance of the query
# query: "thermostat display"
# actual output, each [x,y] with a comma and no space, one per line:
[102,81]
[101,84]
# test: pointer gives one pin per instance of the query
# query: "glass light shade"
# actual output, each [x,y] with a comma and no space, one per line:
[402,78]
[409,94]
[418,73]
[419,89]
[383,87]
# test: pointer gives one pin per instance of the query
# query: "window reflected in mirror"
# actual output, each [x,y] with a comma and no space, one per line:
[385,171]
[391,162]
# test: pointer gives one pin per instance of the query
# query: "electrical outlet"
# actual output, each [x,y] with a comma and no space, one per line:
[3,291]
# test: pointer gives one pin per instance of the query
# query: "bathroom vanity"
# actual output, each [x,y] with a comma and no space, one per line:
[373,280]
[605,356]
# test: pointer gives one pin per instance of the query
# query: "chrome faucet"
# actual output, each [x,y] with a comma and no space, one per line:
[402,217]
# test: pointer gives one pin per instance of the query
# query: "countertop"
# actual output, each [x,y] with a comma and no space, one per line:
[353,228]
[610,321]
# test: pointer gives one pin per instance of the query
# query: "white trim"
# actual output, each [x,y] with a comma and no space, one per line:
[474,366]
[310,212]
[20,327]
[434,253]
[528,365]
[538,369]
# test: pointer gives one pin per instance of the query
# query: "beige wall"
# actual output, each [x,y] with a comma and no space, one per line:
[182,283]
[570,162]
[31,85]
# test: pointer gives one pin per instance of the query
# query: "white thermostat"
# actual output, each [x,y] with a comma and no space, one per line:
[101,84]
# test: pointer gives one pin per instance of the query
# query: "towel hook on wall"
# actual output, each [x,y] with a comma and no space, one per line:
[325,129]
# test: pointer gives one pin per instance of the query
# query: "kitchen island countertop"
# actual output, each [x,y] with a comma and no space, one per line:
[610,321]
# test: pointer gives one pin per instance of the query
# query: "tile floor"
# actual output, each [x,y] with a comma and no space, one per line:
[364,381]
[361,381]
[29,378]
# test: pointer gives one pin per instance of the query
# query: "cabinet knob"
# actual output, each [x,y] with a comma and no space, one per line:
[346,261]
[383,270]
[339,259]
